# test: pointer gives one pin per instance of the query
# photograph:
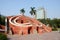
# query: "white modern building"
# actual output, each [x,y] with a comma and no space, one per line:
[41,14]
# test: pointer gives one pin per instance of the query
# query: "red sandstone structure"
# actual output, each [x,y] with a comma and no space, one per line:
[2,28]
[24,25]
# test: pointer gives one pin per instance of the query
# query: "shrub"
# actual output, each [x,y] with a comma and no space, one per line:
[3,37]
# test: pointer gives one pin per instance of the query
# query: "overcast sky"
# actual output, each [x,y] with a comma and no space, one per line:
[12,7]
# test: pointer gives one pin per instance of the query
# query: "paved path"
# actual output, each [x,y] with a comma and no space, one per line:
[46,36]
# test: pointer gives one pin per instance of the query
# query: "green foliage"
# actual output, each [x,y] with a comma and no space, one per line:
[2,19]
[33,11]
[54,23]
[22,11]
[3,37]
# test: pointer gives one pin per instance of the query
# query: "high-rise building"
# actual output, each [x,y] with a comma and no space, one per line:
[41,14]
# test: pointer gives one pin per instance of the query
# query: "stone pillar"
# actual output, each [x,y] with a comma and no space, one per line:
[5,25]
[25,30]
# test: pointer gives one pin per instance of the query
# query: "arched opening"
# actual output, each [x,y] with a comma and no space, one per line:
[29,30]
[21,21]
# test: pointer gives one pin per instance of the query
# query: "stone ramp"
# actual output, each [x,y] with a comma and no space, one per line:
[46,36]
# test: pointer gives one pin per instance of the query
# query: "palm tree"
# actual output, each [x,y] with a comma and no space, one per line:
[33,12]
[22,11]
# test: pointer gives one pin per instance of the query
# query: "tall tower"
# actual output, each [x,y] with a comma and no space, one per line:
[41,13]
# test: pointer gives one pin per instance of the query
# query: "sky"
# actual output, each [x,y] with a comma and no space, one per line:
[12,7]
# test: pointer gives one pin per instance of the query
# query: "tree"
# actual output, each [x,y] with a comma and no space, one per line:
[2,19]
[33,12]
[54,23]
[22,11]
